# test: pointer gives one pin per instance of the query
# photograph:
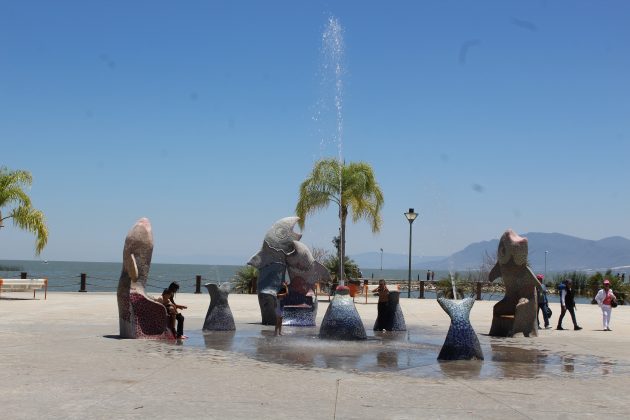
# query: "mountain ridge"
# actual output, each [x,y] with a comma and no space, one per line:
[556,251]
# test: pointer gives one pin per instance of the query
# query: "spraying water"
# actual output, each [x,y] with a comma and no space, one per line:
[453,285]
[333,49]
[451,269]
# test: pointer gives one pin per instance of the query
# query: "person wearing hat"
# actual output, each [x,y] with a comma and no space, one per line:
[542,301]
[605,299]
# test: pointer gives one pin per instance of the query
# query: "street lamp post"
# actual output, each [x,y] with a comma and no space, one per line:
[411,216]
[381,262]
[546,252]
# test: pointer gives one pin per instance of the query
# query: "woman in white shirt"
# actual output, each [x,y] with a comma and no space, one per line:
[604,299]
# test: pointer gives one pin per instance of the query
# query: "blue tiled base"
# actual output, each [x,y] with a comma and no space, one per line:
[342,320]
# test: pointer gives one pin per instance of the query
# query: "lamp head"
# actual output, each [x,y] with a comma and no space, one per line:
[411,215]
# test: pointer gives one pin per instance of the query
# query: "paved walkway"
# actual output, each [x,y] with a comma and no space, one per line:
[61,358]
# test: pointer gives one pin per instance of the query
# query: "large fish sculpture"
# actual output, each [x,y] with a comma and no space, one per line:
[516,312]
[282,250]
[139,315]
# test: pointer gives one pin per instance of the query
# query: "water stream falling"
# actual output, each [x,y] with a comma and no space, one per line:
[333,49]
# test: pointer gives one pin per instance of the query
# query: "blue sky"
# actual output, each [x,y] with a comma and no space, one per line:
[200,115]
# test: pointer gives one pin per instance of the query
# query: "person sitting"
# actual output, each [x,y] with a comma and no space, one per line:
[171,310]
[168,300]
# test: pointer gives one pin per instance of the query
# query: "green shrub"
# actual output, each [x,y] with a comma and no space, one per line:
[245,280]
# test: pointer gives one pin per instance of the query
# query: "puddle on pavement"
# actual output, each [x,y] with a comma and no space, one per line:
[412,353]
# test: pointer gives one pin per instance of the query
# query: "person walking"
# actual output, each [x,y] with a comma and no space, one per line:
[567,303]
[606,299]
[543,303]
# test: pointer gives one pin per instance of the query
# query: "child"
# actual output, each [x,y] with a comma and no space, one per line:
[168,300]
[282,293]
[171,309]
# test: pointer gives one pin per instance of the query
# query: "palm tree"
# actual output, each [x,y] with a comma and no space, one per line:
[352,187]
[245,280]
[12,194]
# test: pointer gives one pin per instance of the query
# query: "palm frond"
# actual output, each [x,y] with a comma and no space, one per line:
[352,186]
[12,193]
[33,221]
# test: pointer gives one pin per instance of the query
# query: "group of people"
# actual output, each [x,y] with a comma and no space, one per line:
[605,298]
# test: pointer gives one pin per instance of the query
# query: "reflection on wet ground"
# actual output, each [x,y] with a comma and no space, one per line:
[411,353]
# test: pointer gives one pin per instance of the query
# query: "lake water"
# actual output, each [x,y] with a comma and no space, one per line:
[103,276]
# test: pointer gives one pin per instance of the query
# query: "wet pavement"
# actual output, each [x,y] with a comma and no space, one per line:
[63,358]
[412,353]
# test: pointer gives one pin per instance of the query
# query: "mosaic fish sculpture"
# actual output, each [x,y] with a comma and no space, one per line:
[219,316]
[461,340]
[281,250]
[516,312]
[139,315]
[341,320]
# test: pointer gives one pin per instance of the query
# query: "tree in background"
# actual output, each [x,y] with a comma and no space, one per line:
[14,197]
[352,187]
[579,278]
[245,280]
[350,268]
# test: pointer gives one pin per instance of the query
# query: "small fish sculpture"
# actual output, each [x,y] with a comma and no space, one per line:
[461,341]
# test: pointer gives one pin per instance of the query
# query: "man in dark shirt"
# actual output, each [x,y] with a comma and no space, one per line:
[567,303]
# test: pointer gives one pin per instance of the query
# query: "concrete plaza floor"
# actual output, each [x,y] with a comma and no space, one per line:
[61,358]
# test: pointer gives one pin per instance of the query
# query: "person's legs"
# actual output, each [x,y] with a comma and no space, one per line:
[543,308]
[280,326]
[381,308]
[171,313]
[606,312]
[171,323]
[563,311]
[572,312]
[180,325]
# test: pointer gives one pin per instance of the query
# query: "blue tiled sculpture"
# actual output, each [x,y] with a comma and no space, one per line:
[342,320]
[516,312]
[219,316]
[461,341]
[399,319]
[281,250]
[394,320]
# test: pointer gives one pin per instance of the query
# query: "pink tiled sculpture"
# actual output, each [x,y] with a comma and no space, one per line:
[516,312]
[139,315]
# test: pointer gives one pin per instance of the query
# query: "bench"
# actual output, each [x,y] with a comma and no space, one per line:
[24,285]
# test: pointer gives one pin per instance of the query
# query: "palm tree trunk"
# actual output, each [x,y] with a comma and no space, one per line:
[342,246]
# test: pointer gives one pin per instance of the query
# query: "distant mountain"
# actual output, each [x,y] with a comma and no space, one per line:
[390,261]
[565,253]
